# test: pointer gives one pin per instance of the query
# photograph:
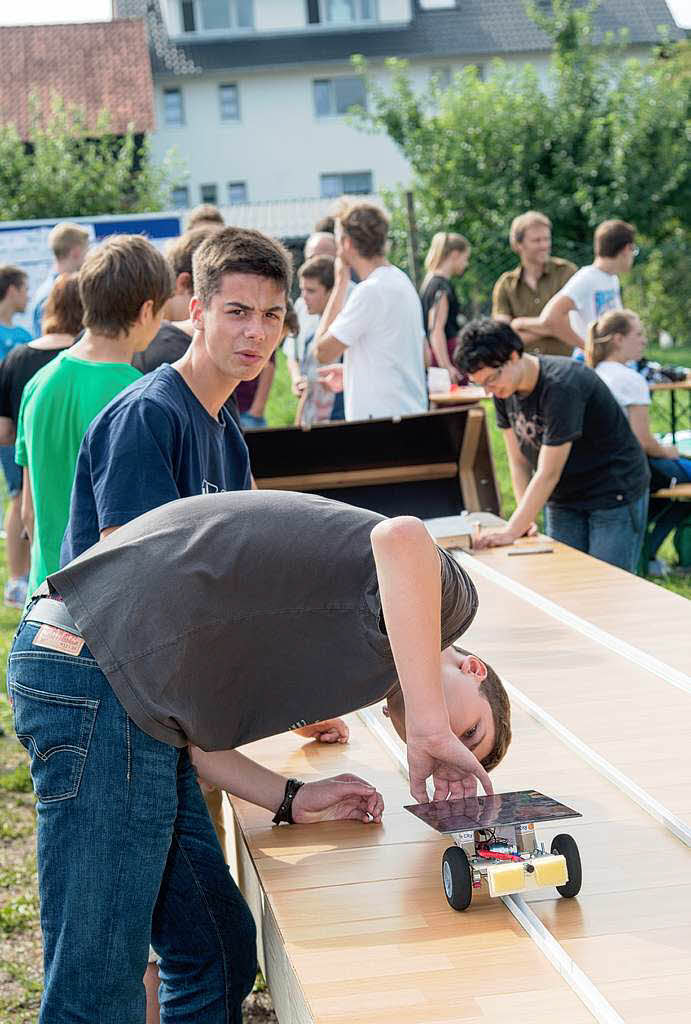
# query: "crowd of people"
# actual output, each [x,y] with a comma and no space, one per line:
[165,595]
[168,599]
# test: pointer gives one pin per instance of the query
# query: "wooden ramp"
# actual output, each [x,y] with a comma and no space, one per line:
[353,919]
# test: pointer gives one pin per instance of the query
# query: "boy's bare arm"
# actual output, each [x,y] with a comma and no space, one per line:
[342,797]
[408,571]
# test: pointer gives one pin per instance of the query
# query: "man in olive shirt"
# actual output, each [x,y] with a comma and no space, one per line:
[526,290]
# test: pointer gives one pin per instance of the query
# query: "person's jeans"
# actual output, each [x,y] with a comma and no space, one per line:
[679,468]
[248,421]
[668,515]
[12,472]
[613,535]
[126,855]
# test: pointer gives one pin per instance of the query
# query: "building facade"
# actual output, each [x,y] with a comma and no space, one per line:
[253,94]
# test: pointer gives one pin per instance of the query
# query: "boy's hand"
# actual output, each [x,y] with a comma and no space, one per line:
[332,730]
[454,769]
[342,798]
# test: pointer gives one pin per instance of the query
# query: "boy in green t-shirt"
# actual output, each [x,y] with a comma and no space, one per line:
[124,284]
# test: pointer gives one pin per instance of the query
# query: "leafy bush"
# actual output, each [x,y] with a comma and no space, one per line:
[606,136]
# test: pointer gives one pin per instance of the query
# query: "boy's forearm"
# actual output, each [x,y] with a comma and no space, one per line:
[532,502]
[240,776]
[409,575]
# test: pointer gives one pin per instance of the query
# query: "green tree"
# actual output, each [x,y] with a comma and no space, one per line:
[67,171]
[605,136]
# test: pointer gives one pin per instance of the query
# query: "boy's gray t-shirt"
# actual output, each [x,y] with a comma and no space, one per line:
[223,618]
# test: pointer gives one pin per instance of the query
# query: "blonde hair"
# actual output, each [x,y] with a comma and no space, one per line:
[599,343]
[520,224]
[66,236]
[441,247]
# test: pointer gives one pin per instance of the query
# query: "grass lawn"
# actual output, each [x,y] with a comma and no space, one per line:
[20,942]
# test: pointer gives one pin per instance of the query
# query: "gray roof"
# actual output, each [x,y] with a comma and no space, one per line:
[482,28]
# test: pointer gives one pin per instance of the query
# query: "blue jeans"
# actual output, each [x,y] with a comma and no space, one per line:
[668,515]
[13,472]
[613,535]
[249,421]
[126,855]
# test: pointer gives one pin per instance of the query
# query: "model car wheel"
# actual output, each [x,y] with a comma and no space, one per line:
[566,846]
[457,879]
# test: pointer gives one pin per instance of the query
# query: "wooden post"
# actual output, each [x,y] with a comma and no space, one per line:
[412,239]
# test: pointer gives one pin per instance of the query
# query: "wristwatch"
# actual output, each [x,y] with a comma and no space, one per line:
[285,811]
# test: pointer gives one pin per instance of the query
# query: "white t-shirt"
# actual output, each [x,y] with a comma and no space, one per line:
[384,363]
[627,386]
[593,293]
[294,348]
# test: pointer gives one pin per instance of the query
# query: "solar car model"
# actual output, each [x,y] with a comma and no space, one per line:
[495,845]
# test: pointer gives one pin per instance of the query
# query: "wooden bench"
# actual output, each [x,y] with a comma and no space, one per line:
[353,923]
[434,464]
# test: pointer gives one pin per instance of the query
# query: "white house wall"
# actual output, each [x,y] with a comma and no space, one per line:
[279,147]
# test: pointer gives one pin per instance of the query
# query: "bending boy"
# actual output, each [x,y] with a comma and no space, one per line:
[186,633]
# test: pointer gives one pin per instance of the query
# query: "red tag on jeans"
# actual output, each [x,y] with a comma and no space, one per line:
[58,640]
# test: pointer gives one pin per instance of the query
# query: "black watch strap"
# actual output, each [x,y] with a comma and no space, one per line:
[285,811]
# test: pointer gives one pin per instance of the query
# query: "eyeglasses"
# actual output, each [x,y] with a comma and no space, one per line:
[635,251]
[489,381]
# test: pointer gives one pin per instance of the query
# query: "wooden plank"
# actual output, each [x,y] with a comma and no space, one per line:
[358,477]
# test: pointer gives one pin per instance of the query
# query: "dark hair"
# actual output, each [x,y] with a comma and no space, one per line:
[117,278]
[9,276]
[326,224]
[366,225]
[63,311]
[181,250]
[239,251]
[207,212]
[485,343]
[291,324]
[320,268]
[492,689]
[612,236]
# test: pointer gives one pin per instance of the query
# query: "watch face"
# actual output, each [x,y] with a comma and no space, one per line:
[526,807]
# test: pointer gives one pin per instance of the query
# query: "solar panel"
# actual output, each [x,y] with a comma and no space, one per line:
[488,811]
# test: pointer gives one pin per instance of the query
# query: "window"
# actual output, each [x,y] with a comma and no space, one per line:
[173,113]
[344,12]
[209,193]
[229,101]
[216,15]
[349,184]
[180,197]
[237,192]
[333,96]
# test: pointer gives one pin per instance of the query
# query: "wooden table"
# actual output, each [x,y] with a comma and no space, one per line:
[354,925]
[466,395]
[673,388]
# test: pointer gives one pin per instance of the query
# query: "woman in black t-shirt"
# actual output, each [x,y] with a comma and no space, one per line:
[448,257]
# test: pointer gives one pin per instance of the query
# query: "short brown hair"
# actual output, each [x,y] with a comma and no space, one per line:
[205,212]
[64,237]
[117,278]
[319,268]
[326,224]
[524,221]
[366,224]
[180,251]
[10,276]
[492,689]
[239,251]
[63,312]
[612,236]
[291,324]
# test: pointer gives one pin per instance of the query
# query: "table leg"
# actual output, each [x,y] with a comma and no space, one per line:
[673,415]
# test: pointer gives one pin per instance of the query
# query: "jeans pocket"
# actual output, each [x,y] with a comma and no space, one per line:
[56,731]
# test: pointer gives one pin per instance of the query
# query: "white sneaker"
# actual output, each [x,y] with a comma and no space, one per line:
[658,568]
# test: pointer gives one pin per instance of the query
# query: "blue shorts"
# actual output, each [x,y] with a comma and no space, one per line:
[13,472]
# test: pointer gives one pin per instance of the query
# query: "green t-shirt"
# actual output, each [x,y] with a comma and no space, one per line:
[58,405]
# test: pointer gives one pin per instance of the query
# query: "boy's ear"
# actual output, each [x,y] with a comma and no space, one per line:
[472,666]
[183,284]
[197,313]
[146,312]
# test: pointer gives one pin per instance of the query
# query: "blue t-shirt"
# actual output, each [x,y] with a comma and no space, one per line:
[154,443]
[11,336]
[42,293]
